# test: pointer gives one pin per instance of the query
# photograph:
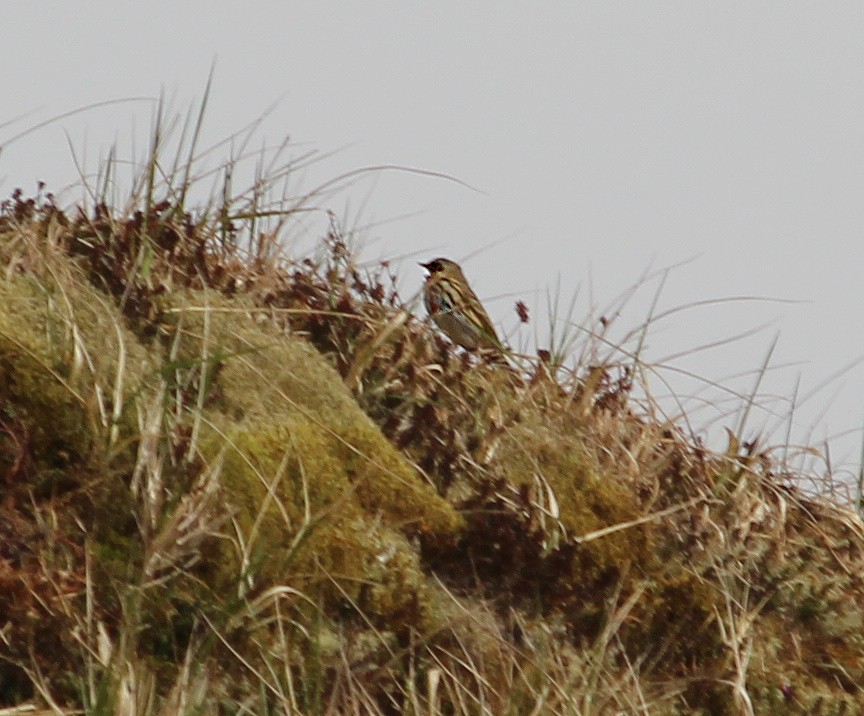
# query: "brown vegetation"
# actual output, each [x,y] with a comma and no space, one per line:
[234,482]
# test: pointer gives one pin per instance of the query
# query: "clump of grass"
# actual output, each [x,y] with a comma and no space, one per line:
[238,480]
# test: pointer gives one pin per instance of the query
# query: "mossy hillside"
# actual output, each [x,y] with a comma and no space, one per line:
[602,560]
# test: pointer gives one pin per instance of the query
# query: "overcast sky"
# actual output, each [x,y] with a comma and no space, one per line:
[604,139]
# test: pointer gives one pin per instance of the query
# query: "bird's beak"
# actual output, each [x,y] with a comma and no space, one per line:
[425,266]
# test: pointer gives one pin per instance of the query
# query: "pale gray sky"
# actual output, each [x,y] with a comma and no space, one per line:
[605,137]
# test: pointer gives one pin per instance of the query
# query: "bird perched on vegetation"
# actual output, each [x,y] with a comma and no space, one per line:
[455,308]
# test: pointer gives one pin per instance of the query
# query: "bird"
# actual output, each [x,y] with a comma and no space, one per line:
[455,308]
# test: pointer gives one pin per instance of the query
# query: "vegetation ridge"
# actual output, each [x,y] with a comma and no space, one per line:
[234,481]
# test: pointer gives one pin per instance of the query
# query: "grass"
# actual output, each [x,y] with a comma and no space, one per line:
[236,480]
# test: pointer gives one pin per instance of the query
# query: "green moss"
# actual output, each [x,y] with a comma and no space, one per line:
[60,347]
[45,424]
[588,499]
[313,486]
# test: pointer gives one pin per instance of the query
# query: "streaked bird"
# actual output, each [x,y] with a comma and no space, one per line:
[455,308]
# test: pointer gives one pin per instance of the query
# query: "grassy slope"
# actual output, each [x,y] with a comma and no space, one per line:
[235,483]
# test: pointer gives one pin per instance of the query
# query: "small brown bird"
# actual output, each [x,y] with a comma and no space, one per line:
[455,308]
